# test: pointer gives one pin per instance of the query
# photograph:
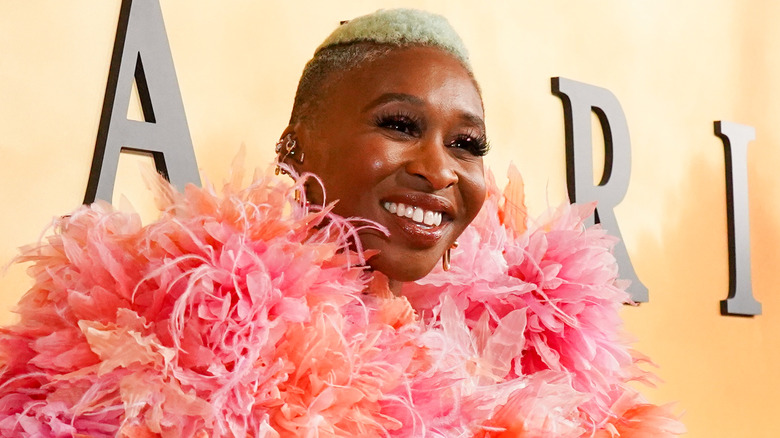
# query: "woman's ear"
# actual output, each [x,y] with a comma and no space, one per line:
[289,150]
[289,130]
[303,158]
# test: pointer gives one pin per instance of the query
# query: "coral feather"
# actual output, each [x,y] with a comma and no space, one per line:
[246,314]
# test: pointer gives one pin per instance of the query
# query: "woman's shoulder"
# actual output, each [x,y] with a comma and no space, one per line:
[170,313]
[541,298]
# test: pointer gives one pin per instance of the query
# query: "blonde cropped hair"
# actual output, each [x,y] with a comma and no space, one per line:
[367,38]
[400,27]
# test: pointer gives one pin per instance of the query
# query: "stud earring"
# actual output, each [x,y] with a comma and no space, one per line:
[445,259]
[288,145]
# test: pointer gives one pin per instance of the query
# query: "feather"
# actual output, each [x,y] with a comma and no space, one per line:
[246,313]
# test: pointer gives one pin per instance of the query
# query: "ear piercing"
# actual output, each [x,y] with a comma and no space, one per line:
[289,146]
[445,259]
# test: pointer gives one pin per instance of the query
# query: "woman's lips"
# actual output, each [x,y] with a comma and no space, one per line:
[416,214]
[421,219]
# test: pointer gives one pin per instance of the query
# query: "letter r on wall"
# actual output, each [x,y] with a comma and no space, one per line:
[579,100]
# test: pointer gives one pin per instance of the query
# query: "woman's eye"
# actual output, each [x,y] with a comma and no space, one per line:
[476,145]
[403,124]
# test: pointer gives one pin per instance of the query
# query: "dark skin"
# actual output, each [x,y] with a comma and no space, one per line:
[407,128]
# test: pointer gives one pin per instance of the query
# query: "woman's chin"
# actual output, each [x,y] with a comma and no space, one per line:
[401,269]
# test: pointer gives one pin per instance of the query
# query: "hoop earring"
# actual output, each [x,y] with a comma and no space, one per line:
[298,196]
[289,146]
[445,259]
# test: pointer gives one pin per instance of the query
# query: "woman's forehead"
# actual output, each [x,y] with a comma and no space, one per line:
[415,75]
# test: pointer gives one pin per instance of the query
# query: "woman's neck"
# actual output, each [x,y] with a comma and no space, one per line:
[381,286]
[395,286]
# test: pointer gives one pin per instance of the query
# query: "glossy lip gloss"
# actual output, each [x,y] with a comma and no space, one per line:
[418,234]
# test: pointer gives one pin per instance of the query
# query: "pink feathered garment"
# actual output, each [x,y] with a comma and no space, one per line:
[246,315]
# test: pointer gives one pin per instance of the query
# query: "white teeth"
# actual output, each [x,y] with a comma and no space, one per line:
[428,219]
[417,214]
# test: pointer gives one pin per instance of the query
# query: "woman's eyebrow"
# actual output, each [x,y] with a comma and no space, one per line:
[393,97]
[474,120]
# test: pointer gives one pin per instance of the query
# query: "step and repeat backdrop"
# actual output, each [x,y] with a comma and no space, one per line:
[665,112]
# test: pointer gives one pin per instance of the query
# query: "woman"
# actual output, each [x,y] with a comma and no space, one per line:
[250,313]
[405,118]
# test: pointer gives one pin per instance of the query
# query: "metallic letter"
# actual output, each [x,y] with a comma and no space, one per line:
[735,141]
[142,52]
[579,100]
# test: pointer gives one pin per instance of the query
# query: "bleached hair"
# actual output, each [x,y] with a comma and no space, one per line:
[367,38]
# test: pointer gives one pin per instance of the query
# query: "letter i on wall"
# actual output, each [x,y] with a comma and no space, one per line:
[735,141]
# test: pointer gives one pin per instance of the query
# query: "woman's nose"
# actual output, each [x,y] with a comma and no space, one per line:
[432,164]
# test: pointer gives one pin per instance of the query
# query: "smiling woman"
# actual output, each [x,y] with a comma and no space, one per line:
[391,97]
[409,127]
[244,314]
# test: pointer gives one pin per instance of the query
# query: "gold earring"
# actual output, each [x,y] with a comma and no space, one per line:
[445,259]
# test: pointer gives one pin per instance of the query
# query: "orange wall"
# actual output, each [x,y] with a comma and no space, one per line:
[675,67]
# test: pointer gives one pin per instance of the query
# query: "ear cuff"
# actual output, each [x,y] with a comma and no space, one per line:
[289,147]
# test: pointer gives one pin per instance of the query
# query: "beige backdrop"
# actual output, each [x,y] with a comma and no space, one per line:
[675,67]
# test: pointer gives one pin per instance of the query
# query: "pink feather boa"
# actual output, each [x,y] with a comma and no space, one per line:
[246,315]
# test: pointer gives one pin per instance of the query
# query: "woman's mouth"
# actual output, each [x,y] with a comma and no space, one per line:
[420,227]
[416,214]
[419,220]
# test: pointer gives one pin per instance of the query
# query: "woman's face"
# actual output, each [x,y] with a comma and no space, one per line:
[401,136]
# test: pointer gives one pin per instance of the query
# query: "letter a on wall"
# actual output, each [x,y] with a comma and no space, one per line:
[579,100]
[142,54]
